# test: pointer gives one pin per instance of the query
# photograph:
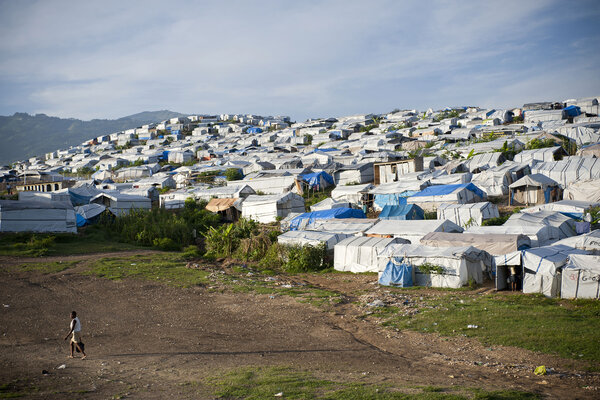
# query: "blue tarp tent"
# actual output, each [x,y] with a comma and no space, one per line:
[573,111]
[441,190]
[406,211]
[318,180]
[393,199]
[397,273]
[254,129]
[342,212]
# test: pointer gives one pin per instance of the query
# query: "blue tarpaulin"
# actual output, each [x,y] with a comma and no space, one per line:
[393,199]
[254,129]
[406,211]
[441,190]
[573,111]
[342,212]
[318,179]
[396,273]
[80,220]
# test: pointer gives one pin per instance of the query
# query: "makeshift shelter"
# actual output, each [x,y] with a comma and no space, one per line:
[431,197]
[355,173]
[587,190]
[317,180]
[328,204]
[61,195]
[395,193]
[481,162]
[88,213]
[226,208]
[347,225]
[404,212]
[542,268]
[534,189]
[449,267]
[581,277]
[540,235]
[494,244]
[411,230]
[589,241]
[266,209]
[303,220]
[224,192]
[120,204]
[565,225]
[359,254]
[37,216]
[313,238]
[354,194]
[495,181]
[570,169]
[468,214]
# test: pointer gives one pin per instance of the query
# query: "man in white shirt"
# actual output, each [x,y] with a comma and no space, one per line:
[76,331]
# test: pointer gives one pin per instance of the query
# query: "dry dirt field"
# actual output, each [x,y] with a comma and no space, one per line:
[148,340]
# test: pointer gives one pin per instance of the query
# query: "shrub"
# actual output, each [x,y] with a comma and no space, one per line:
[191,252]
[233,174]
[305,258]
[166,244]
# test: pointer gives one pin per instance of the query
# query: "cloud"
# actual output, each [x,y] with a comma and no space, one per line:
[109,59]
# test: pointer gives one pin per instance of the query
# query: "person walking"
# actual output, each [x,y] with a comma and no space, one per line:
[76,338]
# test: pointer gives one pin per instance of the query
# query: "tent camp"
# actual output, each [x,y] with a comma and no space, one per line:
[431,197]
[468,214]
[313,238]
[354,194]
[347,225]
[412,230]
[406,211]
[571,208]
[542,268]
[37,216]
[495,181]
[303,220]
[120,204]
[88,213]
[569,170]
[540,235]
[266,209]
[565,225]
[581,277]
[449,267]
[534,189]
[359,254]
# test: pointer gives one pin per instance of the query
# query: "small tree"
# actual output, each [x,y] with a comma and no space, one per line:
[233,174]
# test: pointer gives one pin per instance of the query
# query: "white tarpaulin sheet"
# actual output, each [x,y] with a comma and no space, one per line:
[412,230]
[341,225]
[311,237]
[588,191]
[467,214]
[540,235]
[565,225]
[569,170]
[359,254]
[37,216]
[581,277]
[266,209]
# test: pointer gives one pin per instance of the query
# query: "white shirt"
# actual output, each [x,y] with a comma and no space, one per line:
[77,324]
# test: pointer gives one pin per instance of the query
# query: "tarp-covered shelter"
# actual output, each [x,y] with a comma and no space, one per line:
[359,254]
[266,209]
[60,195]
[328,204]
[224,192]
[570,169]
[565,225]
[403,212]
[542,268]
[431,197]
[494,244]
[540,235]
[468,214]
[589,241]
[88,213]
[347,225]
[120,204]
[354,194]
[312,238]
[37,216]
[581,277]
[412,230]
[395,193]
[449,267]
[571,208]
[587,190]
[305,219]
[534,189]
[225,207]
[317,180]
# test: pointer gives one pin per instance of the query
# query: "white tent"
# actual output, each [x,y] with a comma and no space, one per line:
[266,209]
[359,254]
[581,277]
[570,207]
[329,204]
[268,184]
[589,241]
[354,194]
[540,235]
[431,197]
[411,230]
[37,216]
[224,192]
[541,268]
[459,264]
[545,154]
[120,204]
[587,190]
[311,237]
[61,195]
[467,214]
[341,225]
[565,225]
[494,244]
[484,161]
[570,169]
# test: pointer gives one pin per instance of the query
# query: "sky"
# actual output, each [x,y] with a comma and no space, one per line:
[305,59]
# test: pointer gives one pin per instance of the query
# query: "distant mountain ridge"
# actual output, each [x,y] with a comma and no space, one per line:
[24,135]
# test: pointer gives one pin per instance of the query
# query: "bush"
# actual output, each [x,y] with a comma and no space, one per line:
[233,174]
[305,258]
[166,244]
[192,252]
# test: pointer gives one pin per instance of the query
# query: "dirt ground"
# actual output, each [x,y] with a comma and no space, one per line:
[149,341]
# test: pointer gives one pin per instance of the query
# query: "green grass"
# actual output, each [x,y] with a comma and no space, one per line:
[46,267]
[7,391]
[162,267]
[264,382]
[554,326]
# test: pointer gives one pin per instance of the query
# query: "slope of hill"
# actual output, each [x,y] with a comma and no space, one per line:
[25,135]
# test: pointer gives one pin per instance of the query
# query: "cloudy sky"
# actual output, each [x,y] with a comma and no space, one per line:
[108,59]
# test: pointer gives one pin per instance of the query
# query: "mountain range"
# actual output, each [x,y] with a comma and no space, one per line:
[24,135]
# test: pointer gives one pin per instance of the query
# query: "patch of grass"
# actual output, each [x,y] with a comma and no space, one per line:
[164,267]
[263,383]
[554,326]
[7,391]
[46,267]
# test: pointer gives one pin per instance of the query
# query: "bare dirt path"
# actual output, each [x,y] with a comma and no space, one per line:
[149,340]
